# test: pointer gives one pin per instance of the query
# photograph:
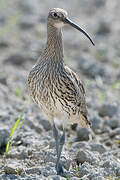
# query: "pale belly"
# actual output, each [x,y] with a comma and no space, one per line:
[51,101]
[55,109]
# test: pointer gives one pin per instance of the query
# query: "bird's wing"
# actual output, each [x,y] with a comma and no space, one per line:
[79,100]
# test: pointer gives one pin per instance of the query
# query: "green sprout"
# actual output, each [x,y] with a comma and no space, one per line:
[10,141]
[13,21]
[102,96]
[78,169]
[18,171]
[116,85]
[67,177]
[18,91]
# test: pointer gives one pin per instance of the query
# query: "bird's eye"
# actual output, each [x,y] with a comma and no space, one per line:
[55,15]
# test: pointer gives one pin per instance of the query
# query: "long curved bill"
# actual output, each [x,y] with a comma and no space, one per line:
[66,20]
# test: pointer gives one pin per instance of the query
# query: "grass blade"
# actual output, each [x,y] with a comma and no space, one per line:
[10,142]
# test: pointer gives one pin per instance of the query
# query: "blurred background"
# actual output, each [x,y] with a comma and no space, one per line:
[22,38]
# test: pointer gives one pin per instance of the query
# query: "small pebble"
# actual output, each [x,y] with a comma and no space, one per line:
[98,147]
[83,134]
[87,156]
[108,110]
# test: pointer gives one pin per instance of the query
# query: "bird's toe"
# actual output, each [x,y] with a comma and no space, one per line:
[60,170]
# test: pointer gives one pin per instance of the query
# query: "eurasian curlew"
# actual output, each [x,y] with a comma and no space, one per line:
[55,87]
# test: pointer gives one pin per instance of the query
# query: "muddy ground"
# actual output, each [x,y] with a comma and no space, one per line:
[22,38]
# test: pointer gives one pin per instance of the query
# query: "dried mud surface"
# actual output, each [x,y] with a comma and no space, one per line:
[22,38]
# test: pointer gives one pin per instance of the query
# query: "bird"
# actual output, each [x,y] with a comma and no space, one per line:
[56,89]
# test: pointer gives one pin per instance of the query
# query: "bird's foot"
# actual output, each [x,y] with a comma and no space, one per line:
[60,170]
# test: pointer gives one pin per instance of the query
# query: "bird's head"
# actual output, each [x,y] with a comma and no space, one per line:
[58,18]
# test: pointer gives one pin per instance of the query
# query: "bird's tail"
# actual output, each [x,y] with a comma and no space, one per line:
[81,120]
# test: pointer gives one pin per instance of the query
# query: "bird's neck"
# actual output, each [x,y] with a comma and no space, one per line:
[54,46]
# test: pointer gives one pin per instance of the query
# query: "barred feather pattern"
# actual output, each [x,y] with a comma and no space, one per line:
[55,87]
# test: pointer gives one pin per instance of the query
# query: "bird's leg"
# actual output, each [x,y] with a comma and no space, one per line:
[56,136]
[59,146]
[59,167]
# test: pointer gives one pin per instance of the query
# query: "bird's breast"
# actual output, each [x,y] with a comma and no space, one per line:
[47,92]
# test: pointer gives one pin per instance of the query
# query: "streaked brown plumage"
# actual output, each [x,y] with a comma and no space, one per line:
[54,86]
